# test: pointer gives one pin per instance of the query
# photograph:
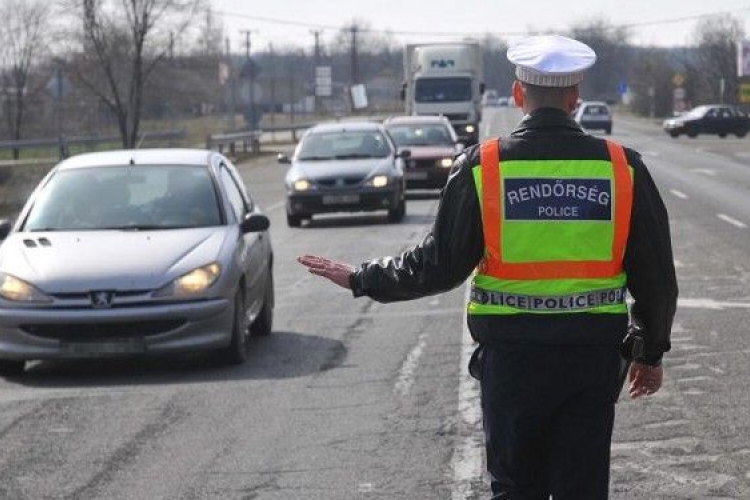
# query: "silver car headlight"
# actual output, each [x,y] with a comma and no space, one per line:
[301,185]
[470,128]
[379,181]
[17,290]
[445,162]
[193,283]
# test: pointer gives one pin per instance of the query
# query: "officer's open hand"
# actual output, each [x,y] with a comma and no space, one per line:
[644,379]
[338,272]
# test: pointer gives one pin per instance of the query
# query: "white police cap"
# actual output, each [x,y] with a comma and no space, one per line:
[551,60]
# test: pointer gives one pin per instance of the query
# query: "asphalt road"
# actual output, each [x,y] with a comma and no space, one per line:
[355,399]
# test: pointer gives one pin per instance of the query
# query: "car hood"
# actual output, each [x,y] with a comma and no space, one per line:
[61,262]
[364,168]
[420,152]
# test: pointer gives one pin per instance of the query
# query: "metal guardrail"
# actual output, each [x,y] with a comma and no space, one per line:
[251,140]
[64,142]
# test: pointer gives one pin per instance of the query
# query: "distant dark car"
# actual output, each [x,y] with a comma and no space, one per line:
[716,119]
[594,115]
[433,144]
[345,167]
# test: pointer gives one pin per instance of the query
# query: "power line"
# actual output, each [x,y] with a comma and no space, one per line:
[361,29]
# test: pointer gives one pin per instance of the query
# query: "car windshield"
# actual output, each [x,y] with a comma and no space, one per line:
[697,112]
[421,135]
[442,90]
[132,197]
[596,110]
[346,144]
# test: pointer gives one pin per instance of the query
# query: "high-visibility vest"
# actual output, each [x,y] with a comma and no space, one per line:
[554,234]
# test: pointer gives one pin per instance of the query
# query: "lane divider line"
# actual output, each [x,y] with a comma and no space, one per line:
[732,221]
[679,194]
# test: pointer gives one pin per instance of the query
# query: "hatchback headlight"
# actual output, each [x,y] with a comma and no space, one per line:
[378,181]
[17,290]
[193,283]
[446,162]
[470,128]
[301,185]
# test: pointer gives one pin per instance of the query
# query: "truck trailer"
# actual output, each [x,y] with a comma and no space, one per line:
[446,79]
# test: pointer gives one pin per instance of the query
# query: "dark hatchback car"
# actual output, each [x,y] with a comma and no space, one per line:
[345,167]
[715,119]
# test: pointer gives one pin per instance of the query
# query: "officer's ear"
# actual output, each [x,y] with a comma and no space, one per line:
[517,92]
[571,98]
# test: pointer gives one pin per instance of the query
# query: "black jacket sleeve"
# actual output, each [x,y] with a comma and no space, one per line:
[443,260]
[649,264]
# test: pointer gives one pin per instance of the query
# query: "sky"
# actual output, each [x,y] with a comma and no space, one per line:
[284,23]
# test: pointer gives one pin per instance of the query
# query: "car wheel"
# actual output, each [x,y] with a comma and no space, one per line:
[674,135]
[723,135]
[263,324]
[397,214]
[10,367]
[609,130]
[236,353]
[293,220]
[741,134]
[692,134]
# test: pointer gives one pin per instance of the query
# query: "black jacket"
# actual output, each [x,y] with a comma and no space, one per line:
[452,249]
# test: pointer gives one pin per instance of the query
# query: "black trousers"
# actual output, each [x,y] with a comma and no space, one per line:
[548,413]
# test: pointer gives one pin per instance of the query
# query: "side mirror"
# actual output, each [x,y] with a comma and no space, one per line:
[255,223]
[5,227]
[404,153]
[402,91]
[460,146]
[282,158]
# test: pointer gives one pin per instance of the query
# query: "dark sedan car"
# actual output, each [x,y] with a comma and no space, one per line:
[345,167]
[433,144]
[716,119]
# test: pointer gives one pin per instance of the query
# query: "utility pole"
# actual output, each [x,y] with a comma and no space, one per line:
[354,77]
[232,87]
[316,34]
[251,79]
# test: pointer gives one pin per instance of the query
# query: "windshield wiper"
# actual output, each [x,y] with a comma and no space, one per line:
[356,155]
[315,158]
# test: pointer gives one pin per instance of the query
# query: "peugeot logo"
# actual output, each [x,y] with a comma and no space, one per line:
[340,182]
[101,299]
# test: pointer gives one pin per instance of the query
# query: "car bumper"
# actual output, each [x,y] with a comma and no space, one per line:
[596,125]
[68,334]
[329,201]
[426,178]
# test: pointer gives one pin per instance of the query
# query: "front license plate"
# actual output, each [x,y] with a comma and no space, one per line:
[415,175]
[340,199]
[112,346]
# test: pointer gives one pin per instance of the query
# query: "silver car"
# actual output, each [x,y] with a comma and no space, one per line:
[130,253]
[345,167]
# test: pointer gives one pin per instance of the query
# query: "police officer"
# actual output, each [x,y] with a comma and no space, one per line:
[555,225]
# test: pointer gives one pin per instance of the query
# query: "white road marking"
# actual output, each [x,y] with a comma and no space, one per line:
[679,194]
[467,462]
[732,221]
[406,373]
[705,171]
[275,206]
[717,305]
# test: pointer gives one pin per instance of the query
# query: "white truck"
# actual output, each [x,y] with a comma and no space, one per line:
[445,79]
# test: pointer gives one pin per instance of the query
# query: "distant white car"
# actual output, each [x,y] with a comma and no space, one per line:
[594,115]
[490,98]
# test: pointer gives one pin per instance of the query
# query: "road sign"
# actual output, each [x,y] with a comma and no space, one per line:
[745,92]
[323,81]
[678,80]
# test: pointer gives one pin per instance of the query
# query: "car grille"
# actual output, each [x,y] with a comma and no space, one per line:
[86,332]
[457,117]
[428,163]
[339,182]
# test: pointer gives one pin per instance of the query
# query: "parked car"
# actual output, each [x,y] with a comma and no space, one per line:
[490,98]
[716,119]
[345,167]
[433,144]
[594,115]
[135,252]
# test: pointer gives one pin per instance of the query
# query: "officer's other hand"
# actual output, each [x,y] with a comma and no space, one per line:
[338,272]
[644,379]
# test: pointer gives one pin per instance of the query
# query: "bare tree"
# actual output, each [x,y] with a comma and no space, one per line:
[23,30]
[123,42]
[715,63]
